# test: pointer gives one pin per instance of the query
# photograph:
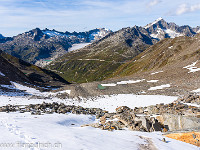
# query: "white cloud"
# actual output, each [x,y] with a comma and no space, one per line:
[184,8]
[153,3]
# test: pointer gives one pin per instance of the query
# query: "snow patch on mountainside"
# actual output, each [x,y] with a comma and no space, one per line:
[130,81]
[102,32]
[53,33]
[196,91]
[78,46]
[109,84]
[159,87]
[172,33]
[156,72]
[192,67]
[152,81]
[123,82]
[1,74]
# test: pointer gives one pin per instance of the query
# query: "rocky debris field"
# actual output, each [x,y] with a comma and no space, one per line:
[193,99]
[50,108]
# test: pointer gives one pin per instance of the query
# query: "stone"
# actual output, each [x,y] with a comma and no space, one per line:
[103,120]
[164,140]
[145,122]
[156,125]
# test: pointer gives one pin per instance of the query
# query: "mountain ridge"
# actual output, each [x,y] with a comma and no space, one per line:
[114,50]
[37,44]
[17,70]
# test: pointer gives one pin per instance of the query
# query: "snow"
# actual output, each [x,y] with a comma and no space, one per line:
[123,82]
[109,103]
[159,87]
[55,131]
[159,31]
[1,74]
[109,84]
[172,33]
[53,33]
[99,34]
[156,72]
[78,46]
[196,91]
[68,91]
[192,67]
[149,25]
[30,91]
[152,81]
[155,36]
[63,131]
[130,81]
[190,104]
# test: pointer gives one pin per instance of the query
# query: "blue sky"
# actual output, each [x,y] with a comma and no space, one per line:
[18,16]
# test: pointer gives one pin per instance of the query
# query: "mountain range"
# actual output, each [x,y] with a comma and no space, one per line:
[103,58]
[99,60]
[36,45]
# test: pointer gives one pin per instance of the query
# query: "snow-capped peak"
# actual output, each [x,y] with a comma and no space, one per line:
[157,20]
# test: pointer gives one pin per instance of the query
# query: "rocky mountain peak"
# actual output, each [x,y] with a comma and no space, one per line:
[1,36]
[37,34]
[160,29]
[159,21]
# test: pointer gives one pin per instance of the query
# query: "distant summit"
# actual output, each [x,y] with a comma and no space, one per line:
[160,29]
[151,24]
[1,36]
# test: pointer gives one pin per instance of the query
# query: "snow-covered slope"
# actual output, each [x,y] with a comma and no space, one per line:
[59,131]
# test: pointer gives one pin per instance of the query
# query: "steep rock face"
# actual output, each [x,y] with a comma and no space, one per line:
[98,60]
[17,70]
[37,44]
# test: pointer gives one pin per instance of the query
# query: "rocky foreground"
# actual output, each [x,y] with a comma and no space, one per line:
[170,117]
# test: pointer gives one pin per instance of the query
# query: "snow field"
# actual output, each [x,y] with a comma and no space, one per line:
[65,131]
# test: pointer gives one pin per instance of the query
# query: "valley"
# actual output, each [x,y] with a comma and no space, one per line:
[135,88]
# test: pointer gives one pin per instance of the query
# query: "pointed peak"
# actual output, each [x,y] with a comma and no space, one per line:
[156,21]
[159,19]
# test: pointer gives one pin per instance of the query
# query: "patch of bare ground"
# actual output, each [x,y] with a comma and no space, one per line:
[149,144]
[190,137]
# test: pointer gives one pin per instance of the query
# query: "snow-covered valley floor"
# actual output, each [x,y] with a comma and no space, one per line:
[63,131]
[58,131]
